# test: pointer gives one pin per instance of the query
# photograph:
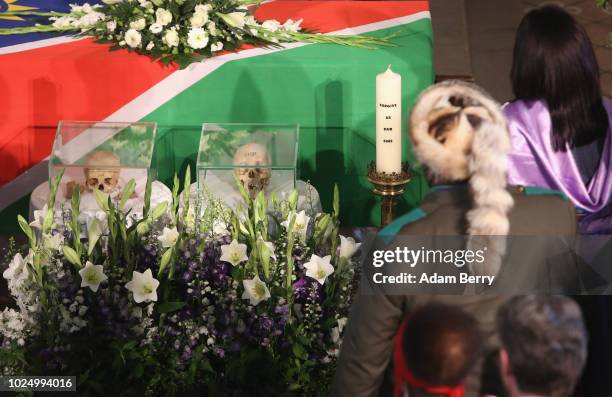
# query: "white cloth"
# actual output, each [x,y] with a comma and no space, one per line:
[308,197]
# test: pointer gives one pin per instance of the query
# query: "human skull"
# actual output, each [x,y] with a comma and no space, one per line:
[254,179]
[102,171]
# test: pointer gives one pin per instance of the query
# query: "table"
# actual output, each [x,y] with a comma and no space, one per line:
[327,89]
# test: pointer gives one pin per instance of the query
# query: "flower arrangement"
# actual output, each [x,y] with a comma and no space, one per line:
[181,31]
[181,302]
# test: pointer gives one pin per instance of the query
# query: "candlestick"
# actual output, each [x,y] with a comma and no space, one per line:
[389,122]
[389,187]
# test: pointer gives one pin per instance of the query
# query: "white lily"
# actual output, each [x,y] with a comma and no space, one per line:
[348,247]
[18,268]
[300,225]
[53,242]
[168,237]
[91,276]
[143,286]
[39,217]
[319,268]
[255,290]
[234,253]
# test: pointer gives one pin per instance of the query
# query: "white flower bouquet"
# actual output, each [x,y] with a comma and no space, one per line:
[181,31]
[179,302]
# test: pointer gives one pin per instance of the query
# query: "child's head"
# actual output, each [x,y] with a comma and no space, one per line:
[436,348]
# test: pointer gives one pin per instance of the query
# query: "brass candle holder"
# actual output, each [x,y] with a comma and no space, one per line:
[389,187]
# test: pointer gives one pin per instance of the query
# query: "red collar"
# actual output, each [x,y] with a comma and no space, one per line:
[403,374]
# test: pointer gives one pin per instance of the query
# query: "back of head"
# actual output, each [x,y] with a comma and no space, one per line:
[439,345]
[554,61]
[545,340]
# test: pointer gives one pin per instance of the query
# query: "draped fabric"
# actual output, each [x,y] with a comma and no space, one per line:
[533,162]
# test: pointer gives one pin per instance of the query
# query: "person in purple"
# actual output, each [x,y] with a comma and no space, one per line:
[560,123]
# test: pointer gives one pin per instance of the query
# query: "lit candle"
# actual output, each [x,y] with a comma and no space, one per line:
[388,122]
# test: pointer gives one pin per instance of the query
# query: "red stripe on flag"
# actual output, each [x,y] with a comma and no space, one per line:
[84,81]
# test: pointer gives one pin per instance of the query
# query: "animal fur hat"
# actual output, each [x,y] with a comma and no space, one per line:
[459,133]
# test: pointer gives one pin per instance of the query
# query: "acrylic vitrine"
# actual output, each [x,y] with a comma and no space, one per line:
[260,157]
[102,156]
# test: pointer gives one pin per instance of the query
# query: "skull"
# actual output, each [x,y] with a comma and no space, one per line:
[254,179]
[102,171]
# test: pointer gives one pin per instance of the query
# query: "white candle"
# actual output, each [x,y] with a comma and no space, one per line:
[388,122]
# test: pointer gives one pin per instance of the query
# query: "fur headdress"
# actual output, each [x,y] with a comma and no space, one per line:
[459,133]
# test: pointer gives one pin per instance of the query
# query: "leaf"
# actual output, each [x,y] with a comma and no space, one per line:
[54,187]
[101,199]
[164,261]
[336,205]
[94,231]
[292,200]
[159,210]
[321,227]
[25,226]
[127,193]
[142,228]
[48,221]
[243,193]
[147,197]
[169,307]
[72,256]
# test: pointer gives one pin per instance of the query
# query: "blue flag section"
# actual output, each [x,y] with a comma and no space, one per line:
[15,21]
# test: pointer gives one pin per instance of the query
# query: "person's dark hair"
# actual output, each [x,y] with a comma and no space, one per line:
[441,344]
[554,61]
[546,342]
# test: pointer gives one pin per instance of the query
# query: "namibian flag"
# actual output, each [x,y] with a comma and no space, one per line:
[328,89]
[13,21]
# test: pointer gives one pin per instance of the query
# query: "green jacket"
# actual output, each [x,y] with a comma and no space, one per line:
[368,338]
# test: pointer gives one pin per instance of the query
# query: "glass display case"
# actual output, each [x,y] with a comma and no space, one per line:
[102,156]
[261,157]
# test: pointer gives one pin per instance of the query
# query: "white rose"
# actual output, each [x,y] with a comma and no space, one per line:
[164,17]
[203,8]
[212,28]
[156,28]
[138,24]
[171,38]
[111,26]
[218,46]
[150,46]
[198,19]
[197,38]
[133,38]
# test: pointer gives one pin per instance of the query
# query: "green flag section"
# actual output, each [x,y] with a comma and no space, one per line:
[329,90]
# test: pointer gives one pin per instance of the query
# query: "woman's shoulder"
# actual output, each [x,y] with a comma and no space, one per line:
[525,115]
[520,106]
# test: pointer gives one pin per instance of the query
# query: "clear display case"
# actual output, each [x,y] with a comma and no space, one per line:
[261,157]
[102,156]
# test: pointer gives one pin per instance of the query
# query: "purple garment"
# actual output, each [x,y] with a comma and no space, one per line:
[533,162]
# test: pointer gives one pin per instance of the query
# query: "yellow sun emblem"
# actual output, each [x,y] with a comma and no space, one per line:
[12,6]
